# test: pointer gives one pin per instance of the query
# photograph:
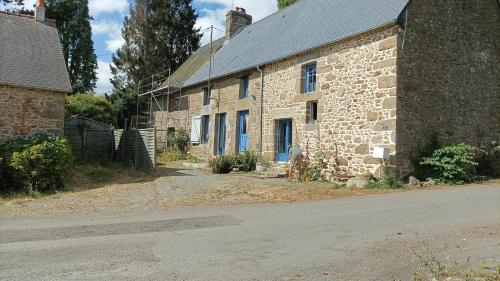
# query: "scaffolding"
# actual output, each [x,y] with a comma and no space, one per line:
[156,93]
[155,89]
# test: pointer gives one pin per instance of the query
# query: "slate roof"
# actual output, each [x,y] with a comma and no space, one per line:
[306,25]
[31,55]
[192,65]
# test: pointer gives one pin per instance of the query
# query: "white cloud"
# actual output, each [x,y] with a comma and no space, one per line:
[103,84]
[257,8]
[108,6]
[112,30]
[216,17]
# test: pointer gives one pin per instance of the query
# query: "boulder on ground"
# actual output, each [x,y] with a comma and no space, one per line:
[414,182]
[358,182]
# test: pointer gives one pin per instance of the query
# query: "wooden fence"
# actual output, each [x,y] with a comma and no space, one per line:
[92,141]
[136,148]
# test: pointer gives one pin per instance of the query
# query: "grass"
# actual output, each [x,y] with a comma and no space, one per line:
[431,268]
[174,155]
[89,175]
[96,173]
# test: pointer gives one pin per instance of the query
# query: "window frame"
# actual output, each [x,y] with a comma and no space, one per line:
[312,112]
[205,129]
[207,96]
[310,78]
[244,87]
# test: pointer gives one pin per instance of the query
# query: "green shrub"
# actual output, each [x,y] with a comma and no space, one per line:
[452,164]
[420,171]
[38,162]
[91,106]
[375,185]
[489,162]
[392,180]
[172,155]
[179,140]
[222,165]
[315,171]
[245,162]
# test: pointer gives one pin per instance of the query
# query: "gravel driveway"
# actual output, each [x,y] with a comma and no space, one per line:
[175,186]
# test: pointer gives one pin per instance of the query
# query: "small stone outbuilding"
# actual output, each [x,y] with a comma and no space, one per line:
[342,78]
[33,76]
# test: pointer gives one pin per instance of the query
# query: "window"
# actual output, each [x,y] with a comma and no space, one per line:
[205,129]
[310,78]
[312,112]
[244,87]
[207,95]
[195,130]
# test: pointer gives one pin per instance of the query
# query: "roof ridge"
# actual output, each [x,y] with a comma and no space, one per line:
[48,21]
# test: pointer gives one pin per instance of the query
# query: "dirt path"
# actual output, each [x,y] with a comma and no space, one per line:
[174,186]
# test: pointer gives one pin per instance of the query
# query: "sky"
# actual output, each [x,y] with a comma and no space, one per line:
[108,17]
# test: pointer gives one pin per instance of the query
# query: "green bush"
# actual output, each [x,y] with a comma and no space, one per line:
[315,171]
[179,140]
[222,164]
[375,185]
[420,171]
[452,164]
[90,106]
[489,161]
[38,163]
[246,162]
[392,180]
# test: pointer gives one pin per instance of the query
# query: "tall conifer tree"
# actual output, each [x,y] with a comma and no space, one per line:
[159,35]
[73,23]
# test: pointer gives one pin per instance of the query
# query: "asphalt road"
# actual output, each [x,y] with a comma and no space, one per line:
[366,238]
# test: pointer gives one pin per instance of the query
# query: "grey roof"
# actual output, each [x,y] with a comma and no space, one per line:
[192,65]
[31,55]
[305,25]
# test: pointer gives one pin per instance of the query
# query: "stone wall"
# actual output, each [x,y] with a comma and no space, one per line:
[356,101]
[26,111]
[448,74]
[225,96]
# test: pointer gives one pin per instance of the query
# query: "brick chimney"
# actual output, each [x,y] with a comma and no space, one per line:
[235,20]
[40,11]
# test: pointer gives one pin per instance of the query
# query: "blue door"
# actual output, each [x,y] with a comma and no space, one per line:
[284,139]
[221,134]
[243,131]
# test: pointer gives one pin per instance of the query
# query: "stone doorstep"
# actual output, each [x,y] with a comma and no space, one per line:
[196,165]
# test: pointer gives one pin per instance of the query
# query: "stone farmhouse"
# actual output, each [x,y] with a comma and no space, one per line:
[33,75]
[340,78]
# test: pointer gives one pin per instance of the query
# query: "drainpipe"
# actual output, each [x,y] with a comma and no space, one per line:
[261,109]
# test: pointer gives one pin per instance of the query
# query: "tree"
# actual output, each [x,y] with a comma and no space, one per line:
[159,35]
[285,3]
[90,106]
[73,23]
[16,2]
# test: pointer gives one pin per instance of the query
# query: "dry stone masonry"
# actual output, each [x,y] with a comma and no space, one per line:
[437,70]
[25,111]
